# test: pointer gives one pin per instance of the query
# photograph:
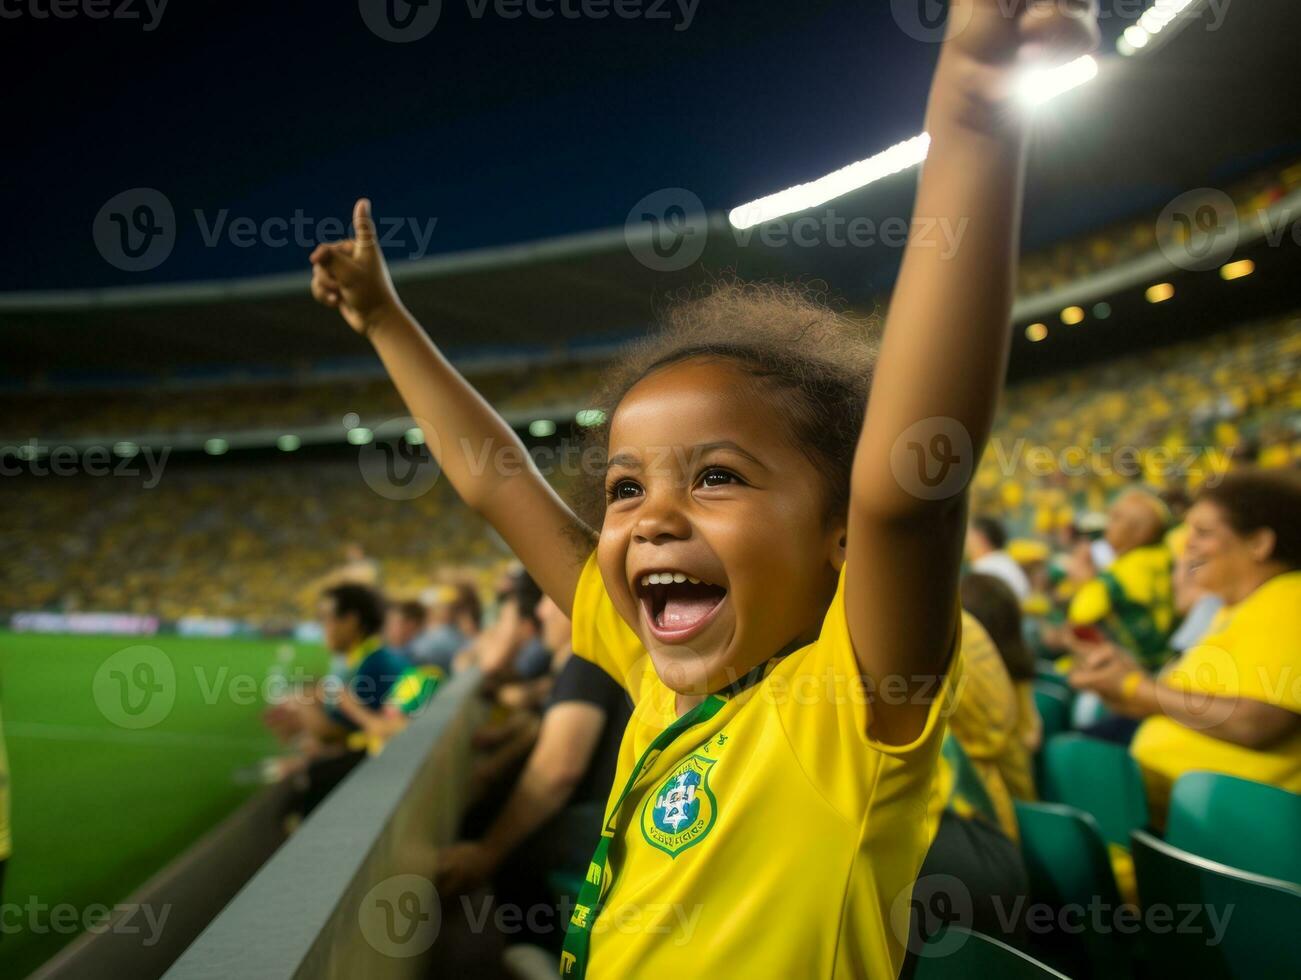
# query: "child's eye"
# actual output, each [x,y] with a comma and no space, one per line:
[623,490]
[716,477]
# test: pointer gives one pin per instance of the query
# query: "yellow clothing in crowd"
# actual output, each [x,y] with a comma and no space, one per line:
[772,839]
[1133,600]
[997,726]
[1252,650]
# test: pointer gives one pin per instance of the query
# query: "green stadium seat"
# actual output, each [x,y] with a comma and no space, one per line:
[978,957]
[1247,825]
[1054,704]
[1257,917]
[1099,778]
[1067,862]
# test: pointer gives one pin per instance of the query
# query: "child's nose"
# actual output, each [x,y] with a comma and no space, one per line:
[660,519]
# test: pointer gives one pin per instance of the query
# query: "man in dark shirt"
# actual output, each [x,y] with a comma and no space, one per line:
[552,819]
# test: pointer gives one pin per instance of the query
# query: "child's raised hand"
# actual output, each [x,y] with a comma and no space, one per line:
[994,37]
[352,277]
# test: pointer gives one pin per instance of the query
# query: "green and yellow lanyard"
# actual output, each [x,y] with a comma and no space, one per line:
[578,937]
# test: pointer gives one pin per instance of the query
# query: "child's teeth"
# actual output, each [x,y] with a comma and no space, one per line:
[679,578]
[645,580]
[693,581]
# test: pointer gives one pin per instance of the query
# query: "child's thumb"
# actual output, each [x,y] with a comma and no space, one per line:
[364,225]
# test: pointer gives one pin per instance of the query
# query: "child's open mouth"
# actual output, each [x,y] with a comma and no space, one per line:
[677,605]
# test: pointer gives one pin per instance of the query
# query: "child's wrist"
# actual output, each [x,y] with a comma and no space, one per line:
[382,318]
[976,97]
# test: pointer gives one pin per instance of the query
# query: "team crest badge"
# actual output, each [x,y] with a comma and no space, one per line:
[682,811]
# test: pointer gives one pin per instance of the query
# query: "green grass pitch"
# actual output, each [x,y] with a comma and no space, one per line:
[117,765]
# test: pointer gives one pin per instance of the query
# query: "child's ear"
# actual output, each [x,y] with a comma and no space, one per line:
[839,544]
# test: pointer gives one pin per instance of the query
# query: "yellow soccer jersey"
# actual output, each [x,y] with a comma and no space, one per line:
[775,839]
[1252,650]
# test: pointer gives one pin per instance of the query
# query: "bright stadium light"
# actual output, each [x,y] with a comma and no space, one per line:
[801,197]
[1040,85]
[1073,315]
[1036,332]
[589,417]
[1035,88]
[125,449]
[1154,23]
[216,447]
[1161,292]
[541,428]
[360,436]
[288,444]
[415,436]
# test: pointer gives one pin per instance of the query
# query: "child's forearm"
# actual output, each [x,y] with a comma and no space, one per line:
[947,333]
[482,457]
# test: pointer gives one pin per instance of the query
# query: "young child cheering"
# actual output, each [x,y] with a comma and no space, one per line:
[775,575]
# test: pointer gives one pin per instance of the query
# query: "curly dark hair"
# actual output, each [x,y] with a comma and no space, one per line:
[1252,499]
[814,360]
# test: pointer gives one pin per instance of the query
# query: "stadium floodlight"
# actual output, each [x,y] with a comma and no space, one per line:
[1036,332]
[541,428]
[1237,270]
[1161,292]
[801,197]
[1154,26]
[288,444]
[1035,88]
[216,447]
[360,436]
[415,436]
[1073,315]
[1101,311]
[1040,85]
[125,449]
[589,417]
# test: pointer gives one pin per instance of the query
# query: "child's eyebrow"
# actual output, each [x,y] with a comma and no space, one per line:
[706,447]
[622,460]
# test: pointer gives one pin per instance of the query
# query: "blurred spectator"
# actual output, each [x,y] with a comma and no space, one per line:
[403,623]
[1132,599]
[552,818]
[351,617]
[986,550]
[983,766]
[1231,704]
[996,608]
[455,618]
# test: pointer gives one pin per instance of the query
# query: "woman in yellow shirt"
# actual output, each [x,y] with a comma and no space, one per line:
[1232,703]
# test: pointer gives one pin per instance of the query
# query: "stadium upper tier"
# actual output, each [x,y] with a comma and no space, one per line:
[243,537]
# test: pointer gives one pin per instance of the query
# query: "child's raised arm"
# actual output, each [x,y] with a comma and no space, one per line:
[477,451]
[944,352]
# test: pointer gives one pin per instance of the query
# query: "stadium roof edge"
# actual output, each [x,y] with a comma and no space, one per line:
[283,284]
